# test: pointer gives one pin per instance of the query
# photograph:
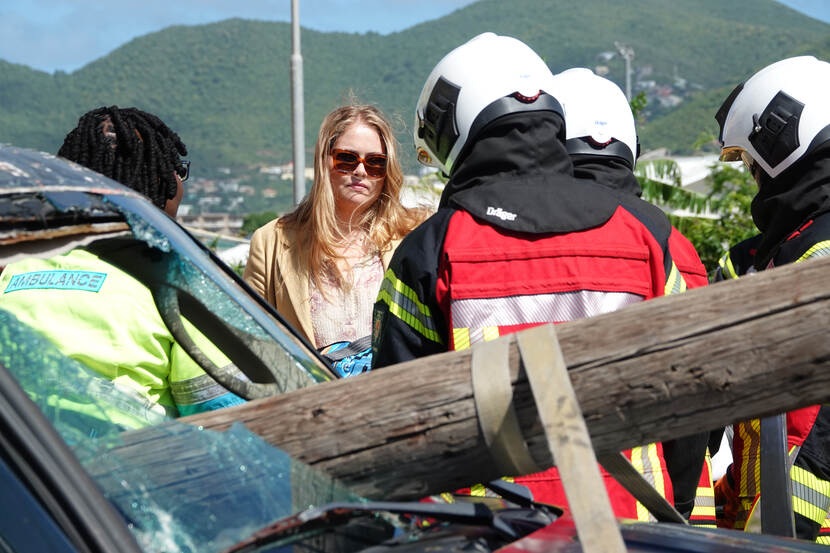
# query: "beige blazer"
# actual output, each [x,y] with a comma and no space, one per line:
[273,271]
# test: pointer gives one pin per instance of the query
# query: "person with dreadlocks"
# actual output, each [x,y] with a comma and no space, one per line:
[134,148]
[116,329]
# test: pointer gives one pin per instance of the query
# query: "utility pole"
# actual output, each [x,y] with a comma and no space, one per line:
[297,111]
[627,52]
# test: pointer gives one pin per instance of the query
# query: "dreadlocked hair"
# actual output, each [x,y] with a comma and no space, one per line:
[138,150]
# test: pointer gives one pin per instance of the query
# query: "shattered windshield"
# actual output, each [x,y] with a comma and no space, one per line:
[112,367]
[180,488]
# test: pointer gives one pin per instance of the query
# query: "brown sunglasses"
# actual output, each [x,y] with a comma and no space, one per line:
[346,161]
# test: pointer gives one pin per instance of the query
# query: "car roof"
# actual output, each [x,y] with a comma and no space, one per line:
[23,170]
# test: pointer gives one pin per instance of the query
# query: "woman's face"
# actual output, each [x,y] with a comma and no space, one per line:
[355,191]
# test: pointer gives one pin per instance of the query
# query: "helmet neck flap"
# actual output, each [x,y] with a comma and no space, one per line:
[783,204]
[610,171]
[518,166]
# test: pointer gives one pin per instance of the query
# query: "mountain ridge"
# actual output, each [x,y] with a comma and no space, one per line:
[225,87]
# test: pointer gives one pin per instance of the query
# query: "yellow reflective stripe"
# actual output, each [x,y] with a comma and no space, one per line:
[749,477]
[490,333]
[705,499]
[403,302]
[751,521]
[705,491]
[704,511]
[803,476]
[819,250]
[461,338]
[727,268]
[808,510]
[674,283]
[811,494]
[478,490]
[447,496]
[824,536]
[637,461]
[656,469]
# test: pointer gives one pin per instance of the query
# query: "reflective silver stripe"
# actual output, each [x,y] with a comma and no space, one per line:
[203,387]
[641,459]
[403,303]
[675,283]
[818,250]
[476,314]
[811,494]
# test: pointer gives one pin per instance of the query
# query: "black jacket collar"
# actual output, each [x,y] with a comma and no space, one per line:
[785,203]
[609,171]
[518,176]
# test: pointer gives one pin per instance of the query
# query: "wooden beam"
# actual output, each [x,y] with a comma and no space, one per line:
[653,371]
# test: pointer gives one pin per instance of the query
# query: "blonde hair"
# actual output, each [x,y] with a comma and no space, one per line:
[314,220]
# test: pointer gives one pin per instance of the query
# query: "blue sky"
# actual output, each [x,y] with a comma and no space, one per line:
[67,34]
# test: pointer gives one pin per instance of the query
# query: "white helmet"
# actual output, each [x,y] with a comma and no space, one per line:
[481,80]
[598,119]
[778,115]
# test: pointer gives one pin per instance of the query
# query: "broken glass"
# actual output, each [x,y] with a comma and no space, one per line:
[180,488]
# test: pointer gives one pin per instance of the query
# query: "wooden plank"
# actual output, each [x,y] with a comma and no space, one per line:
[653,371]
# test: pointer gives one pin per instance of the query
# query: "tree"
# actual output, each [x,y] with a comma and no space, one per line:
[253,221]
[730,196]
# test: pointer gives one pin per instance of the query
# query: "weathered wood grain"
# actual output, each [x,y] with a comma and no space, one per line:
[653,371]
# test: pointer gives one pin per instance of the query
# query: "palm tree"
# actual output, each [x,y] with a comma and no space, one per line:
[729,198]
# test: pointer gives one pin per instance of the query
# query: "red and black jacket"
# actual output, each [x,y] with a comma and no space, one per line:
[518,241]
[514,197]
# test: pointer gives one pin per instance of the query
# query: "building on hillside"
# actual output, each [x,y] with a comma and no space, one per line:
[219,223]
[289,175]
[271,170]
[694,176]
[228,186]
[209,201]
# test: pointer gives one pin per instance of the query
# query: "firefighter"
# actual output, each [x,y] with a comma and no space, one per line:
[517,241]
[98,314]
[778,123]
[601,138]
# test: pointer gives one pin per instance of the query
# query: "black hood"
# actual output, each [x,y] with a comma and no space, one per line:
[517,175]
[785,203]
[609,171]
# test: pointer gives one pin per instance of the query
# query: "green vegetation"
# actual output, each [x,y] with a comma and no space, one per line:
[225,87]
[731,193]
[731,196]
[253,221]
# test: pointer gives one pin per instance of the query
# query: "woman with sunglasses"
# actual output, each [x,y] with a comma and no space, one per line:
[322,264]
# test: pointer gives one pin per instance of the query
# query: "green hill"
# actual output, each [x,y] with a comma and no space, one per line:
[225,87]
